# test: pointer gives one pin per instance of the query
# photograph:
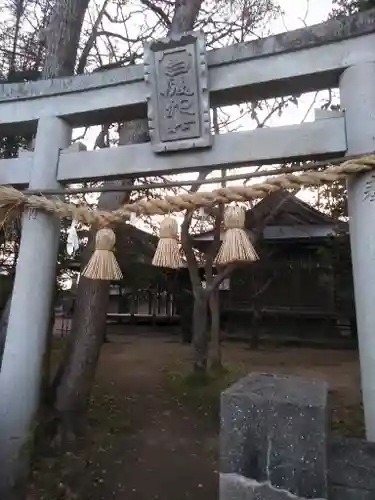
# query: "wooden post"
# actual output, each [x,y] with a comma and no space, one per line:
[357,89]
[29,318]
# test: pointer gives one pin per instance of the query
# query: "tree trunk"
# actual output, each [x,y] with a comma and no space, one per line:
[88,330]
[89,320]
[200,334]
[184,16]
[62,37]
[216,359]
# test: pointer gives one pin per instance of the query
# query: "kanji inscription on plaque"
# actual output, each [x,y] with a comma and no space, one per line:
[178,98]
[369,190]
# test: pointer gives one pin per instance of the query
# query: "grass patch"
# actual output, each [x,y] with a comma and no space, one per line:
[347,420]
[78,467]
[202,394]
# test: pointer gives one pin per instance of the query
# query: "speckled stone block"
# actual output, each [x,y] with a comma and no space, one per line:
[344,493]
[351,469]
[274,429]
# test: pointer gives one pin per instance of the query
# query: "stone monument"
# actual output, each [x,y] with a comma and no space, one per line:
[273,439]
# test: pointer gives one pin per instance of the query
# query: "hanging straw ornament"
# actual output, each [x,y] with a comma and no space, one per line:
[103,264]
[167,252]
[236,246]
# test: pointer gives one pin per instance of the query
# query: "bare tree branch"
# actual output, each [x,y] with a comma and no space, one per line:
[224,273]
[91,40]
[186,241]
[158,11]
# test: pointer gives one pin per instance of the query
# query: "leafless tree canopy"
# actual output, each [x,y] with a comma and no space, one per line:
[113,33]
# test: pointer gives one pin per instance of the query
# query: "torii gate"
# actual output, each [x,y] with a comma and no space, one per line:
[338,53]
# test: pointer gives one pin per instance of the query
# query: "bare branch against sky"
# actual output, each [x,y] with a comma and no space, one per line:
[115,30]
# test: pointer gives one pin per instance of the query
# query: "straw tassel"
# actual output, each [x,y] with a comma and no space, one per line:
[236,246]
[103,264]
[167,252]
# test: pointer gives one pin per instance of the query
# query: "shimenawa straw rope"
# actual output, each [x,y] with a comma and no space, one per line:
[103,264]
[185,201]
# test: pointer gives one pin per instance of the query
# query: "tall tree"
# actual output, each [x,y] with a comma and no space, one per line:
[89,321]
[62,36]
[61,45]
[75,377]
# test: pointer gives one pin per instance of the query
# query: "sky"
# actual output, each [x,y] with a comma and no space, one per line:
[299,13]
[296,14]
[302,12]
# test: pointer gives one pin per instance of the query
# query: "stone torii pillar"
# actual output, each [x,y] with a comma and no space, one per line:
[29,318]
[357,91]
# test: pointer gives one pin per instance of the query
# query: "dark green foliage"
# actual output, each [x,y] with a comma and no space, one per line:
[333,200]
[6,283]
[349,7]
[200,392]
[9,146]
[334,197]
[336,255]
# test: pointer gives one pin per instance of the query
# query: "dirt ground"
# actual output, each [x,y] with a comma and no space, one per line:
[147,443]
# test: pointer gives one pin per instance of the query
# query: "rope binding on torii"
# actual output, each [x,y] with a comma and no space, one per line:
[13,199]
